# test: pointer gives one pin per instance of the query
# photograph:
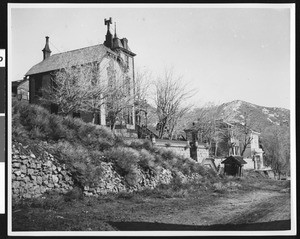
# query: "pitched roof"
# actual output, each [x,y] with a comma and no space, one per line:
[70,58]
[234,159]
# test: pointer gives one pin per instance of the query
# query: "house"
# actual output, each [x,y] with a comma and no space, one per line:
[233,165]
[254,154]
[220,138]
[217,135]
[113,55]
[20,89]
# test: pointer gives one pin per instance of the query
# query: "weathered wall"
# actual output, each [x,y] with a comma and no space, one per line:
[32,175]
[250,163]
[202,153]
[178,147]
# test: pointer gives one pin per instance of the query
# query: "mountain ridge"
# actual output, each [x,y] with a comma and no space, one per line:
[259,117]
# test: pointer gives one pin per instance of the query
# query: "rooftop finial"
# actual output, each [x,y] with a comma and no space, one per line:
[108,22]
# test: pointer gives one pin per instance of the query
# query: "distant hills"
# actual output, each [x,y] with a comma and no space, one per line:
[259,117]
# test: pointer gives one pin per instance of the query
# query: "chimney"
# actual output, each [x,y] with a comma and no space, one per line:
[125,43]
[46,50]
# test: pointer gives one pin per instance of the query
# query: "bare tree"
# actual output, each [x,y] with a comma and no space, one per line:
[96,88]
[120,100]
[142,85]
[65,90]
[276,145]
[89,87]
[243,132]
[170,96]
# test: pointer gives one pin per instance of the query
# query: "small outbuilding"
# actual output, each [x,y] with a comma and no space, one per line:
[233,165]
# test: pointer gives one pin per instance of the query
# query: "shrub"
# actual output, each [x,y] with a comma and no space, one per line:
[38,123]
[147,160]
[167,154]
[126,162]
[136,144]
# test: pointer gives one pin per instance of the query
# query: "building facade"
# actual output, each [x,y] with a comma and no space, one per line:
[114,59]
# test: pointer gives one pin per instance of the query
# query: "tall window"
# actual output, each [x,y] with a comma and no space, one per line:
[38,86]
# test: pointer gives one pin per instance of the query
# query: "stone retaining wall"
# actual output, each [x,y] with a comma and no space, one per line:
[33,175]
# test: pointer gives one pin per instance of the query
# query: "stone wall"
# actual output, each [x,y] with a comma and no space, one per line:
[33,175]
[178,147]
[112,182]
[250,163]
[202,153]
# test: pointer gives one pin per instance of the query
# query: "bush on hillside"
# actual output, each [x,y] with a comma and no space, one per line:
[126,163]
[37,123]
[141,144]
[147,162]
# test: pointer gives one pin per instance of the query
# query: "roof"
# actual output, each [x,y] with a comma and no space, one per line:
[17,82]
[234,159]
[70,58]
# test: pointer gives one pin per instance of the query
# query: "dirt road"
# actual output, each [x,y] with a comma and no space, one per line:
[264,208]
[253,207]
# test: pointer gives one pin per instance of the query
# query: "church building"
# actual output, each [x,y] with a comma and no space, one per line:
[113,53]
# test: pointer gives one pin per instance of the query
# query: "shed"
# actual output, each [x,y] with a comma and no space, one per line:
[233,165]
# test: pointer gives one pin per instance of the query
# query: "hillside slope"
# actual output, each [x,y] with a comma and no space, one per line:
[259,117]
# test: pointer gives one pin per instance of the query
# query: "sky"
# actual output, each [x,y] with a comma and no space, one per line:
[222,53]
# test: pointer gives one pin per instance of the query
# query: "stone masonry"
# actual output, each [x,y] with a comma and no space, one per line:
[33,175]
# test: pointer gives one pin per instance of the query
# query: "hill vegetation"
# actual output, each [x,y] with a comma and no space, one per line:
[82,146]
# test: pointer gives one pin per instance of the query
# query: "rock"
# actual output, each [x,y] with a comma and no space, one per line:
[50,185]
[30,171]
[47,164]
[23,168]
[218,186]
[16,165]
[45,182]
[38,166]
[39,180]
[15,184]
[32,165]
[33,177]
[233,184]
[27,195]
[18,172]
[32,155]
[26,179]
[54,178]
[43,189]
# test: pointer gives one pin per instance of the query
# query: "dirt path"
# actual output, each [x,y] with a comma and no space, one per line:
[258,206]
[258,209]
